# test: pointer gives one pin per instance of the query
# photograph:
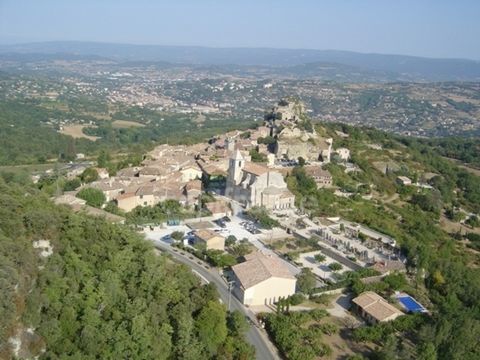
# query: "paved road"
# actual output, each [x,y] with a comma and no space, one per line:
[263,347]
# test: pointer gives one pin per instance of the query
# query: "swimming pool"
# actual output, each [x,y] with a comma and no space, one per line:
[410,304]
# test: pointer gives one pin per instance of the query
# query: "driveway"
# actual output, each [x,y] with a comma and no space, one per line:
[341,305]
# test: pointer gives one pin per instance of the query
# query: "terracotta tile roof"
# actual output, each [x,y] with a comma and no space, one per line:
[255,169]
[144,190]
[376,306]
[387,266]
[317,171]
[206,234]
[193,166]
[194,185]
[259,267]
[212,169]
[106,185]
[151,171]
[131,171]
[217,207]
[125,196]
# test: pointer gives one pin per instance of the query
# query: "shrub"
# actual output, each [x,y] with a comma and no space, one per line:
[306,281]
[296,299]
[89,175]
[323,299]
[318,314]
[260,215]
[177,235]
[230,240]
[335,266]
[219,259]
[72,184]
[93,197]
[473,221]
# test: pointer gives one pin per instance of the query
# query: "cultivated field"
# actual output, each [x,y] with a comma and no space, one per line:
[76,131]
[122,124]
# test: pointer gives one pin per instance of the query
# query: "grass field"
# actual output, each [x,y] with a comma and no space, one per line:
[122,124]
[76,131]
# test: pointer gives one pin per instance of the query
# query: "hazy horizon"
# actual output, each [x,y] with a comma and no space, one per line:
[432,29]
[3,43]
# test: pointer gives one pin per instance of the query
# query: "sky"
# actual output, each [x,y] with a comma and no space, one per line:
[431,28]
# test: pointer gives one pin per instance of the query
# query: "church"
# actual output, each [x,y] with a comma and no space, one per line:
[255,185]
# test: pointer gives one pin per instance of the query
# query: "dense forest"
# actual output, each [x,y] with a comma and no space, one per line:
[466,150]
[103,293]
[28,135]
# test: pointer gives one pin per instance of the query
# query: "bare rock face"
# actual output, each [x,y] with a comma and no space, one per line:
[295,139]
[294,149]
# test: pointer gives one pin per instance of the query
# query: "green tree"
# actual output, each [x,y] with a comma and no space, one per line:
[72,184]
[211,326]
[473,221]
[260,214]
[230,240]
[395,281]
[306,281]
[427,352]
[257,157]
[335,266]
[219,259]
[320,258]
[89,175]
[237,323]
[103,159]
[93,197]
[177,235]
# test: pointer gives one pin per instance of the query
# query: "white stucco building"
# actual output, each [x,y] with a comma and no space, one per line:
[262,279]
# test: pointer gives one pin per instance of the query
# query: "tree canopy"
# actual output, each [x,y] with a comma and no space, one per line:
[103,293]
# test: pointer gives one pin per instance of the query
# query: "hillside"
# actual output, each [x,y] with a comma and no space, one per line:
[427,219]
[77,287]
[409,68]
[103,282]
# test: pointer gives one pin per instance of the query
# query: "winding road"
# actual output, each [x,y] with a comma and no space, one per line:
[258,338]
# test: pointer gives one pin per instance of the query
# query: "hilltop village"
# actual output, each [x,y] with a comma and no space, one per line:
[235,189]
[288,220]
[248,167]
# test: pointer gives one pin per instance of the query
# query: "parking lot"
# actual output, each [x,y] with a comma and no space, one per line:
[237,226]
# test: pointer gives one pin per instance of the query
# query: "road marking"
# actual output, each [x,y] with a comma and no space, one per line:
[200,276]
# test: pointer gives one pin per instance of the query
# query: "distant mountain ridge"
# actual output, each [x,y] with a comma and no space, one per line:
[408,68]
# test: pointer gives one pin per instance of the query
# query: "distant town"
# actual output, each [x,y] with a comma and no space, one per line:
[102,88]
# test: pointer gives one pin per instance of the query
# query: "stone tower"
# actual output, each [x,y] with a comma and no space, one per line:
[234,177]
[230,144]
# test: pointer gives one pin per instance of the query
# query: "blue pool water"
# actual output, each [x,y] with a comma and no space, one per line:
[410,304]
